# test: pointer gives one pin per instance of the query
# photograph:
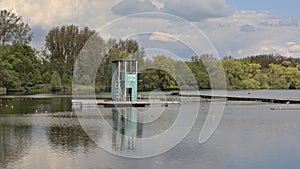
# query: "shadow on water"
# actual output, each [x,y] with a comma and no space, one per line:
[29,105]
[69,140]
[15,142]
[61,131]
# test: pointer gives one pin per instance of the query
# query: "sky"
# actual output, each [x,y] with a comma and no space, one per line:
[282,8]
[237,28]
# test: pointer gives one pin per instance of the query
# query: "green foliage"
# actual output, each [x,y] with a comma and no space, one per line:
[65,42]
[149,80]
[248,74]
[199,73]
[46,78]
[63,45]
[36,76]
[159,73]
[263,80]
[13,29]
[165,70]
[66,80]
[253,73]
[184,76]
[267,59]
[55,81]
[85,80]
[250,84]
[240,73]
[20,68]
[10,79]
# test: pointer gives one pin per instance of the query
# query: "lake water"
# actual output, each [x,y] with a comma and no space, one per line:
[44,131]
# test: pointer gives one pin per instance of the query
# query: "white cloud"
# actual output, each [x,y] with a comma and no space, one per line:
[287,49]
[247,28]
[127,7]
[195,10]
[268,46]
[42,15]
[192,10]
[158,36]
[239,33]
[46,13]
[158,4]
[290,43]
[289,21]
[231,34]
[293,47]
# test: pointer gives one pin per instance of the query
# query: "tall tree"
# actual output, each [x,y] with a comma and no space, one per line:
[13,29]
[63,44]
[18,65]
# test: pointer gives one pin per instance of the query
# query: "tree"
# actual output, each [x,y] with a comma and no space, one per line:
[46,78]
[85,80]
[286,63]
[165,70]
[9,79]
[13,29]
[65,79]
[199,72]
[276,77]
[250,84]
[184,76]
[234,73]
[263,80]
[149,80]
[37,77]
[18,65]
[55,81]
[63,44]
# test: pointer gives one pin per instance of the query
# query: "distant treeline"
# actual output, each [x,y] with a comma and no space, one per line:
[23,68]
[265,71]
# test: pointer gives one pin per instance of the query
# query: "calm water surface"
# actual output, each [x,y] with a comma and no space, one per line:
[44,132]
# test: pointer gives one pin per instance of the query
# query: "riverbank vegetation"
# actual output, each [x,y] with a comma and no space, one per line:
[23,68]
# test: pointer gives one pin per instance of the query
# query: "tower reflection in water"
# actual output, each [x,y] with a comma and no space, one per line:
[126,129]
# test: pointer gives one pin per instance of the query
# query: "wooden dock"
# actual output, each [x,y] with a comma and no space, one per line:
[240,98]
[142,103]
